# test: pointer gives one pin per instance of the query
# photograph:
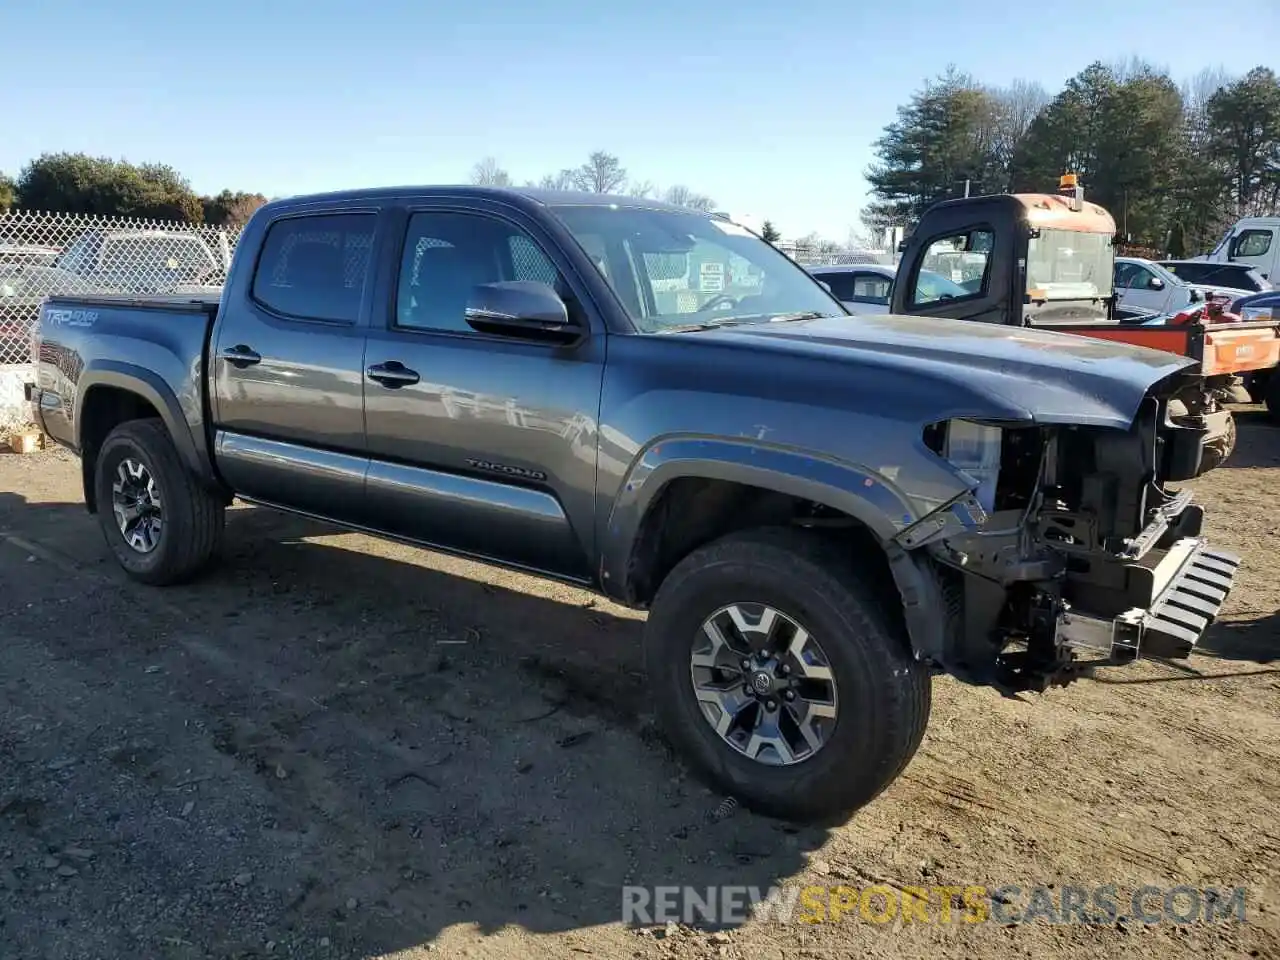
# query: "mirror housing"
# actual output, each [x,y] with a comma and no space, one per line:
[1155,283]
[525,309]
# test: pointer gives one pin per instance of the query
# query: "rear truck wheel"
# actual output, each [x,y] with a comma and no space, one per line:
[781,676]
[1219,448]
[1272,397]
[162,526]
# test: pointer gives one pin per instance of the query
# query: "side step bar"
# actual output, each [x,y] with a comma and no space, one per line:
[1189,603]
[1191,584]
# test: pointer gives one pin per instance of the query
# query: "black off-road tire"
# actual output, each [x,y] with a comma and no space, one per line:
[1217,451]
[192,516]
[884,693]
[1272,397]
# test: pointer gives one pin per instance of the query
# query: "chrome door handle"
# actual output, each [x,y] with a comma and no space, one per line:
[241,356]
[393,374]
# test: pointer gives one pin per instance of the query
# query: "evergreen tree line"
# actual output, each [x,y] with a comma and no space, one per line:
[1174,164]
[79,183]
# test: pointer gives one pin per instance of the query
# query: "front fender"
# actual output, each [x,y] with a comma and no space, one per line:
[858,491]
[152,388]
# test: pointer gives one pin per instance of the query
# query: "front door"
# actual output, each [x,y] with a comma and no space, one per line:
[1138,288]
[959,276]
[287,366]
[480,443]
[1257,247]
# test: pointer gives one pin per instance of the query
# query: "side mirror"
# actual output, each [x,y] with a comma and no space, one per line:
[521,308]
[1155,283]
[826,286]
[1196,296]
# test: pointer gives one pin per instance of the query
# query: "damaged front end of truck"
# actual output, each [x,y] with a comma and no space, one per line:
[1072,550]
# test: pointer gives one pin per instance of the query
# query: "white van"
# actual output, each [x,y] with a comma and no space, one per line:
[1254,241]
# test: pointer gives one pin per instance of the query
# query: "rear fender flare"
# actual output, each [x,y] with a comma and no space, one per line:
[150,387]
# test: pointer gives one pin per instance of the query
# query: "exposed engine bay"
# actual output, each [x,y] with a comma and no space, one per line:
[1073,552]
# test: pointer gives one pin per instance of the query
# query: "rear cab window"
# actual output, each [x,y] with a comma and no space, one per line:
[871,288]
[315,267]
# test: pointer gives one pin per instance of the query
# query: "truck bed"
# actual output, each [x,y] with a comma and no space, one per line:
[1222,348]
[202,301]
[90,342]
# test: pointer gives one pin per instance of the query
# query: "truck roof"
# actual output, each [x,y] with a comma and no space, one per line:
[1046,210]
[520,196]
[1054,212]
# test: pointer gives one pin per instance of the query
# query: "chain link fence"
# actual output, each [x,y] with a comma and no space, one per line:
[47,254]
[827,257]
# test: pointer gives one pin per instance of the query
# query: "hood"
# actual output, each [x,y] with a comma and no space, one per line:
[1025,374]
[1267,298]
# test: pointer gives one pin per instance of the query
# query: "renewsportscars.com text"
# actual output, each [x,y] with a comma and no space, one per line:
[1006,904]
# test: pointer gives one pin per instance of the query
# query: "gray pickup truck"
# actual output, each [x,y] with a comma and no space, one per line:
[819,511]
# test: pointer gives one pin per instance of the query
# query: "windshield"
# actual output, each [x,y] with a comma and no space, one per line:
[672,269]
[1067,265]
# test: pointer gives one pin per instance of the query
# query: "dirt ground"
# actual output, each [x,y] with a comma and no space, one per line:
[336,747]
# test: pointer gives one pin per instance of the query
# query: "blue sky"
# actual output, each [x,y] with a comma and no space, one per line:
[770,108]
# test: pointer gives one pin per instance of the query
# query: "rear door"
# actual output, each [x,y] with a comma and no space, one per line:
[480,443]
[287,362]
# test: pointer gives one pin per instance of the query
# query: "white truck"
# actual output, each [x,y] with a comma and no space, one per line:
[1254,241]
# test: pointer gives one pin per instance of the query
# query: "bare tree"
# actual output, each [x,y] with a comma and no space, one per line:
[602,173]
[1197,91]
[681,196]
[855,240]
[553,181]
[1132,67]
[645,188]
[487,173]
[1013,109]
[1020,103]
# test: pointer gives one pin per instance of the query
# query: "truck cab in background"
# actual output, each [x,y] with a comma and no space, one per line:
[1254,241]
[1048,261]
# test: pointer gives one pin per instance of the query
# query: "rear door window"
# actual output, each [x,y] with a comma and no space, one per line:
[316,267]
[871,288]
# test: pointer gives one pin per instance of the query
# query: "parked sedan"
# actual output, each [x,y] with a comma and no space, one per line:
[1204,273]
[867,287]
[862,287]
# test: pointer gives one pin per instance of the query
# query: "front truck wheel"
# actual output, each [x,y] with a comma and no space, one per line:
[1218,449]
[162,526]
[781,676]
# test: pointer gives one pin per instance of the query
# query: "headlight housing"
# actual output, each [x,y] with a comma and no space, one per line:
[1002,461]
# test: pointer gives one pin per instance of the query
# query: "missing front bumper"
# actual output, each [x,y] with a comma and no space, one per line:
[1189,587]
